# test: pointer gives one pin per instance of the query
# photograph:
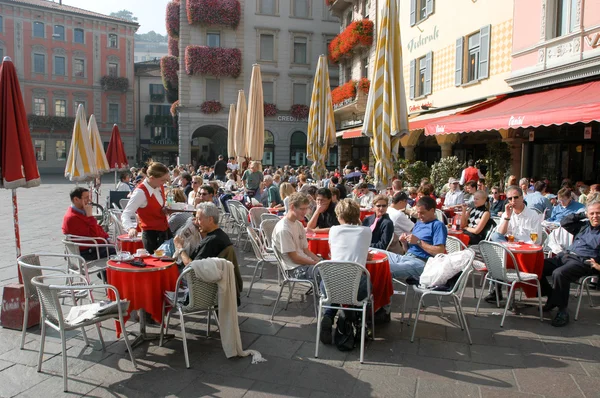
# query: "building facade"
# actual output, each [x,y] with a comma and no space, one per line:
[66,56]
[286,39]
[149,51]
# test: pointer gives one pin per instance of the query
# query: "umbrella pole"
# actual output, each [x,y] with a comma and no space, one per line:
[115,179]
[16,224]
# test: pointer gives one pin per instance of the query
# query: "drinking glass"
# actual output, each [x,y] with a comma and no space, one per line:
[510,238]
[533,236]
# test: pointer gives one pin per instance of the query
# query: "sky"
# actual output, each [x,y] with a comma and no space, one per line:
[150,13]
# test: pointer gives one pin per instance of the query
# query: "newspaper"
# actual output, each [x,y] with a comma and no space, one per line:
[83,313]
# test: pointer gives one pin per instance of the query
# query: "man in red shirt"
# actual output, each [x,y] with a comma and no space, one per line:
[78,220]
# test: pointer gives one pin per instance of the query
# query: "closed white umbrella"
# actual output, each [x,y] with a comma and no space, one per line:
[97,147]
[231,132]
[255,121]
[80,163]
[240,128]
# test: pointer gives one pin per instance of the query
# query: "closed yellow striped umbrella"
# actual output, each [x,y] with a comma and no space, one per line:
[255,122]
[231,132]
[97,147]
[240,128]
[321,123]
[80,163]
[385,115]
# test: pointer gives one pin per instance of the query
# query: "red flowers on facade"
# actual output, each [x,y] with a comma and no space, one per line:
[357,34]
[211,107]
[172,19]
[364,84]
[270,109]
[299,111]
[173,47]
[214,12]
[214,61]
[169,66]
[343,92]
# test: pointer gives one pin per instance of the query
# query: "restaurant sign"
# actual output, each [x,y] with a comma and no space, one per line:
[516,121]
[423,39]
[350,123]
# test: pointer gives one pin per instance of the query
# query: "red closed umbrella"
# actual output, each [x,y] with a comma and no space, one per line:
[17,158]
[115,153]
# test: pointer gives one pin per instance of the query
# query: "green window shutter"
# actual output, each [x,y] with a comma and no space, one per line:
[484,52]
[413,12]
[458,72]
[412,78]
[428,72]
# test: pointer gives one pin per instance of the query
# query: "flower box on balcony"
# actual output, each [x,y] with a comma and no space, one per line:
[214,12]
[343,93]
[270,110]
[169,66]
[173,44]
[299,111]
[364,85]
[211,107]
[172,19]
[113,83]
[213,61]
[359,34]
[50,122]
[157,97]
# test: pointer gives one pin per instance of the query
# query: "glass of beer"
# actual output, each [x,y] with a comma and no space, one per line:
[533,236]
[510,238]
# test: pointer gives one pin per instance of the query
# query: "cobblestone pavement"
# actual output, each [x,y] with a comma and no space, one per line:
[525,358]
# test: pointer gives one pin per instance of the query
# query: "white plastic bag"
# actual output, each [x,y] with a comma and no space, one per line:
[439,269]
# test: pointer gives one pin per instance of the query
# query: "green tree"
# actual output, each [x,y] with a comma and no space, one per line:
[444,169]
[125,14]
[152,37]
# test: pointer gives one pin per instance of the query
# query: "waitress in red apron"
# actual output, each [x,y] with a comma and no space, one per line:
[148,200]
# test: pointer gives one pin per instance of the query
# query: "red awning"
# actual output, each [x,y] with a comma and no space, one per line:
[566,105]
[352,133]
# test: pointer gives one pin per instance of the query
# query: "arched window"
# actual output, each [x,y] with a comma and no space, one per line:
[269,152]
[298,149]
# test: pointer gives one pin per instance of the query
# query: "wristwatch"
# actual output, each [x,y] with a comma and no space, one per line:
[418,243]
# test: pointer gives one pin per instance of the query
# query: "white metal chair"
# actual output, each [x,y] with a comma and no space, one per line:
[269,216]
[583,284]
[496,258]
[255,216]
[32,265]
[262,256]
[202,298]
[266,230]
[291,281]
[341,281]
[49,288]
[455,293]
[73,243]
[118,228]
[123,203]
[241,221]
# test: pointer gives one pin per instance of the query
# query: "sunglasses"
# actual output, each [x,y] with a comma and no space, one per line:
[495,193]
[380,206]
[513,198]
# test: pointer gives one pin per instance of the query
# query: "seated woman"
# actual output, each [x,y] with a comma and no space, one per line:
[478,220]
[381,225]
[196,184]
[231,184]
[177,219]
[285,190]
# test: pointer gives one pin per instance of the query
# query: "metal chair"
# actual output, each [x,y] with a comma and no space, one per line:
[31,266]
[583,284]
[291,281]
[240,215]
[456,293]
[454,245]
[266,230]
[49,287]
[72,244]
[202,298]
[341,281]
[255,216]
[118,228]
[123,203]
[496,257]
[269,216]
[262,256]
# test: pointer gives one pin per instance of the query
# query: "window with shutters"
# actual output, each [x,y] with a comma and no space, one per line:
[348,72]
[366,8]
[301,8]
[38,29]
[473,57]
[113,69]
[113,113]
[60,66]
[79,67]
[113,41]
[267,47]
[563,17]
[420,10]
[213,90]
[348,18]
[421,70]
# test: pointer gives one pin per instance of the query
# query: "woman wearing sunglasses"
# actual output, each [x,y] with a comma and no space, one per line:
[381,225]
[477,221]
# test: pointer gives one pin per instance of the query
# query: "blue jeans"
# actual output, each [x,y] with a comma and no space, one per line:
[403,266]
[497,237]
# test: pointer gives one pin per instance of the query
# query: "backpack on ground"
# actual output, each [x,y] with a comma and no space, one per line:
[347,331]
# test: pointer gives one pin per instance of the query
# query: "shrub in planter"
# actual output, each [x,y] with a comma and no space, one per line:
[114,83]
[173,47]
[358,34]
[270,109]
[299,111]
[214,61]
[214,12]
[169,66]
[444,169]
[211,107]
[412,173]
[172,19]
[343,92]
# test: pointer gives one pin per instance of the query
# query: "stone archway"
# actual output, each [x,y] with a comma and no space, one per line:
[208,142]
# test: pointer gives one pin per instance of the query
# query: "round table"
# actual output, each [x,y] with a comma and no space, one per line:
[381,280]
[143,287]
[530,258]
[128,244]
[449,211]
[273,210]
[318,243]
[364,213]
[464,238]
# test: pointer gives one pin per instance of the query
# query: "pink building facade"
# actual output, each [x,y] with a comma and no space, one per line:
[66,56]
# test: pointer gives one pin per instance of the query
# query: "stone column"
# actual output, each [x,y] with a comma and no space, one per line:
[446,142]
[515,144]
[409,152]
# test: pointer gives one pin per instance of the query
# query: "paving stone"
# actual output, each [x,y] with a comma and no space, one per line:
[119,391]
[298,332]
[53,387]
[261,389]
[18,378]
[376,384]
[116,369]
[162,380]
[478,336]
[276,370]
[327,379]
[276,346]
[381,362]
[213,385]
[589,385]
[502,393]
[427,367]
[505,356]
[29,355]
[78,360]
[547,382]
[260,326]
[444,349]
[485,375]
[445,388]
[328,354]
[558,364]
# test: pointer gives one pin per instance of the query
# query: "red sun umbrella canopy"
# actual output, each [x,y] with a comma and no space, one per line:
[115,153]
[17,158]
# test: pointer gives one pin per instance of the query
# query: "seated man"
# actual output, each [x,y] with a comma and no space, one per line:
[496,204]
[78,220]
[566,205]
[271,192]
[402,224]
[334,182]
[364,197]
[289,239]
[206,194]
[470,188]
[455,196]
[324,216]
[580,259]
[427,239]
[537,201]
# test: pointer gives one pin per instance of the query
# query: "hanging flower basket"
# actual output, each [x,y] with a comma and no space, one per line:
[113,83]
[211,107]
[358,35]
[270,109]
[174,107]
[344,92]
[213,61]
[169,66]
[299,111]
[364,84]
[214,12]
[173,47]
[172,19]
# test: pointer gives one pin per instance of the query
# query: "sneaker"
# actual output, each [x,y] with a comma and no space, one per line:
[491,298]
[326,329]
[561,319]
[548,306]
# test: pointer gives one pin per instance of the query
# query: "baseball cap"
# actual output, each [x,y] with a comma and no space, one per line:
[453,181]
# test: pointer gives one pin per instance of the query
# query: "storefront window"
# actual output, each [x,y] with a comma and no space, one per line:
[269,152]
[298,149]
[332,160]
[40,149]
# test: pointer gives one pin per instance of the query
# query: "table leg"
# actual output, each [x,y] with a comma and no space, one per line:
[143,334]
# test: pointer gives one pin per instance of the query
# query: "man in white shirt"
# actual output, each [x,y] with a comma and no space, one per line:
[402,223]
[289,239]
[364,197]
[455,196]
[232,164]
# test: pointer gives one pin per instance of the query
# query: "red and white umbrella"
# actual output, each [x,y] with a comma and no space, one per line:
[17,158]
[115,153]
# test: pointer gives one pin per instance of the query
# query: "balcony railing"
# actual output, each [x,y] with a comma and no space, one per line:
[158,120]
[157,97]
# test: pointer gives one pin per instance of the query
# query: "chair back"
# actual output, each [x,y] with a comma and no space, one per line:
[32,265]
[454,245]
[243,216]
[281,264]
[440,216]
[269,216]
[341,280]
[255,215]
[123,203]
[202,295]
[119,229]
[266,229]
[229,254]
[461,283]
[496,256]
[256,243]
[395,246]
[51,309]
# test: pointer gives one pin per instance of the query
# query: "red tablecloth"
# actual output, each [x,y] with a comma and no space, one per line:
[273,210]
[128,244]
[381,278]
[318,243]
[143,287]
[364,213]
[464,238]
[530,258]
